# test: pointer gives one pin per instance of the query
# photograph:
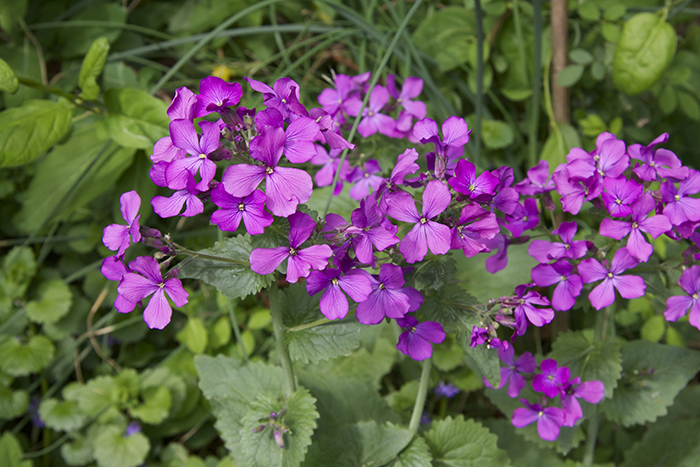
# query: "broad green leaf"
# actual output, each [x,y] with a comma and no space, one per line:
[589,10]
[486,359]
[434,272]
[78,170]
[194,335]
[496,134]
[92,66]
[588,358]
[103,391]
[317,343]
[611,32]
[646,47]
[592,125]
[61,416]
[445,34]
[180,391]
[22,359]
[581,56]
[155,407]
[8,80]
[233,278]
[77,452]
[27,132]
[113,449]
[448,355]
[416,454]
[668,99]
[570,75]
[559,144]
[55,300]
[447,306]
[455,442]
[24,61]
[18,268]
[614,11]
[11,12]
[261,318]
[196,16]
[654,328]
[76,41]
[11,452]
[689,105]
[522,453]
[220,333]
[135,119]
[12,403]
[300,417]
[654,374]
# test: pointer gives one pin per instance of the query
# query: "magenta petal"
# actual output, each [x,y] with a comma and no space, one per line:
[425,129]
[603,295]
[286,188]
[358,287]
[158,312]
[301,226]
[402,207]
[622,261]
[130,203]
[430,331]
[436,198]
[265,260]
[690,280]
[176,292]
[414,246]
[572,410]
[334,304]
[548,426]
[523,417]
[591,391]
[629,286]
[615,229]
[123,305]
[242,179]
[677,306]
[438,237]
[134,287]
[455,131]
[116,238]
[638,247]
[591,270]
[113,269]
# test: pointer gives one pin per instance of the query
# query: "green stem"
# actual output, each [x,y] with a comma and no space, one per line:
[479,98]
[195,254]
[420,398]
[278,326]
[313,324]
[536,79]
[58,92]
[236,329]
[591,439]
[538,340]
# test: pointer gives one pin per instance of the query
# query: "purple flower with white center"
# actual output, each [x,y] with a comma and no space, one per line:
[590,391]
[568,287]
[619,194]
[636,244]
[677,306]
[604,294]
[389,298]
[335,100]
[446,390]
[575,191]
[416,339]
[610,159]
[118,237]
[146,280]
[132,428]
[680,207]
[447,151]
[182,105]
[466,182]
[426,233]
[299,146]
[479,336]
[537,181]
[300,262]
[524,305]
[657,164]
[285,187]
[411,88]
[184,136]
[549,420]
[512,373]
[169,207]
[216,95]
[544,251]
[525,217]
[364,179]
[475,225]
[551,379]
[250,209]
[373,120]
[330,163]
[334,304]
[278,95]
[371,232]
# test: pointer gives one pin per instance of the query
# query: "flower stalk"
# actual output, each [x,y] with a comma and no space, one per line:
[278,326]
[420,398]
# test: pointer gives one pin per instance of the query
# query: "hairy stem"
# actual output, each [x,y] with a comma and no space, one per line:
[278,326]
[420,398]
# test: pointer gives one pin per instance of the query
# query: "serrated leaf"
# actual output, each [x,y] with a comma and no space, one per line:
[61,416]
[234,279]
[522,453]
[194,335]
[77,452]
[464,443]
[447,306]
[28,131]
[646,47]
[11,452]
[8,80]
[642,397]
[589,359]
[113,449]
[300,418]
[416,454]
[12,403]
[496,134]
[18,268]
[22,359]
[570,75]
[136,119]
[319,343]
[92,66]
[486,359]
[155,407]
[55,300]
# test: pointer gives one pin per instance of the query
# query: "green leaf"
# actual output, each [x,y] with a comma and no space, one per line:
[654,328]
[642,397]
[59,177]
[76,41]
[113,449]
[11,452]
[434,272]
[589,10]
[668,99]
[588,358]
[220,333]
[136,119]
[445,34]
[448,355]
[464,443]
[61,416]
[364,444]
[646,47]
[689,105]
[521,452]
[8,80]
[447,306]
[614,11]
[11,11]
[55,300]
[559,144]
[194,335]
[18,268]
[176,385]
[103,391]
[570,75]
[78,452]
[496,134]
[20,359]
[317,343]
[611,32]
[196,16]
[233,279]
[92,66]
[12,403]
[581,56]
[300,417]
[155,407]
[416,454]
[27,132]
[261,318]
[592,125]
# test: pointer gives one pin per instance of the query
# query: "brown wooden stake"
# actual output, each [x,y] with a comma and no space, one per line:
[560,95]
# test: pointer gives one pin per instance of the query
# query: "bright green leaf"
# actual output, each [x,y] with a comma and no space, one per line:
[592,125]
[92,66]
[445,35]
[11,452]
[55,300]
[220,333]
[416,454]
[455,442]
[8,80]
[614,11]
[22,359]
[654,328]
[18,268]
[611,32]
[581,56]
[113,449]
[196,16]
[155,407]
[77,452]
[673,337]
[194,335]
[589,10]
[559,144]
[570,75]
[260,319]
[12,403]
[136,119]
[61,416]
[496,134]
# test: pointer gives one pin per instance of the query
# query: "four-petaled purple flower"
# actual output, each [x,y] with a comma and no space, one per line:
[389,298]
[679,305]
[551,379]
[619,194]
[604,294]
[373,120]
[334,304]
[416,339]
[511,374]
[568,287]
[679,206]
[544,251]
[590,391]
[466,182]
[657,163]
[118,237]
[199,147]
[549,420]
[250,209]
[215,95]
[524,308]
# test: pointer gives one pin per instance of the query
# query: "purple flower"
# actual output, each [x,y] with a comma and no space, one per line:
[549,420]
[479,336]
[416,338]
[619,194]
[604,294]
[446,390]
[575,191]
[447,151]
[475,225]
[679,206]
[659,163]
[118,237]
[330,163]
[568,287]
[335,100]
[250,209]
[371,231]
[300,262]
[550,380]
[511,374]
[114,270]
[182,105]
[169,207]
[145,280]
[677,306]
[373,120]
[544,251]
[389,298]
[285,187]
[365,179]
[412,87]
[278,95]
[165,151]
[636,244]
[426,233]
[132,428]
[184,136]
[525,217]
[524,306]
[590,391]
[466,182]
[215,95]
[299,146]
[537,181]
[334,305]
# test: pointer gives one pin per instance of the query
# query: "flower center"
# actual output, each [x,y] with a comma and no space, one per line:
[381,286]
[340,101]
[610,275]
[562,278]
[526,218]
[370,113]
[652,163]
[398,101]
[541,412]
[202,156]
[635,225]
[677,197]
[219,103]
[411,329]
[618,201]
[241,207]
[292,251]
[596,158]
[161,285]
[284,101]
[269,170]
[334,281]
[423,220]
[695,296]
[472,187]
[567,246]
[366,174]
[521,301]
